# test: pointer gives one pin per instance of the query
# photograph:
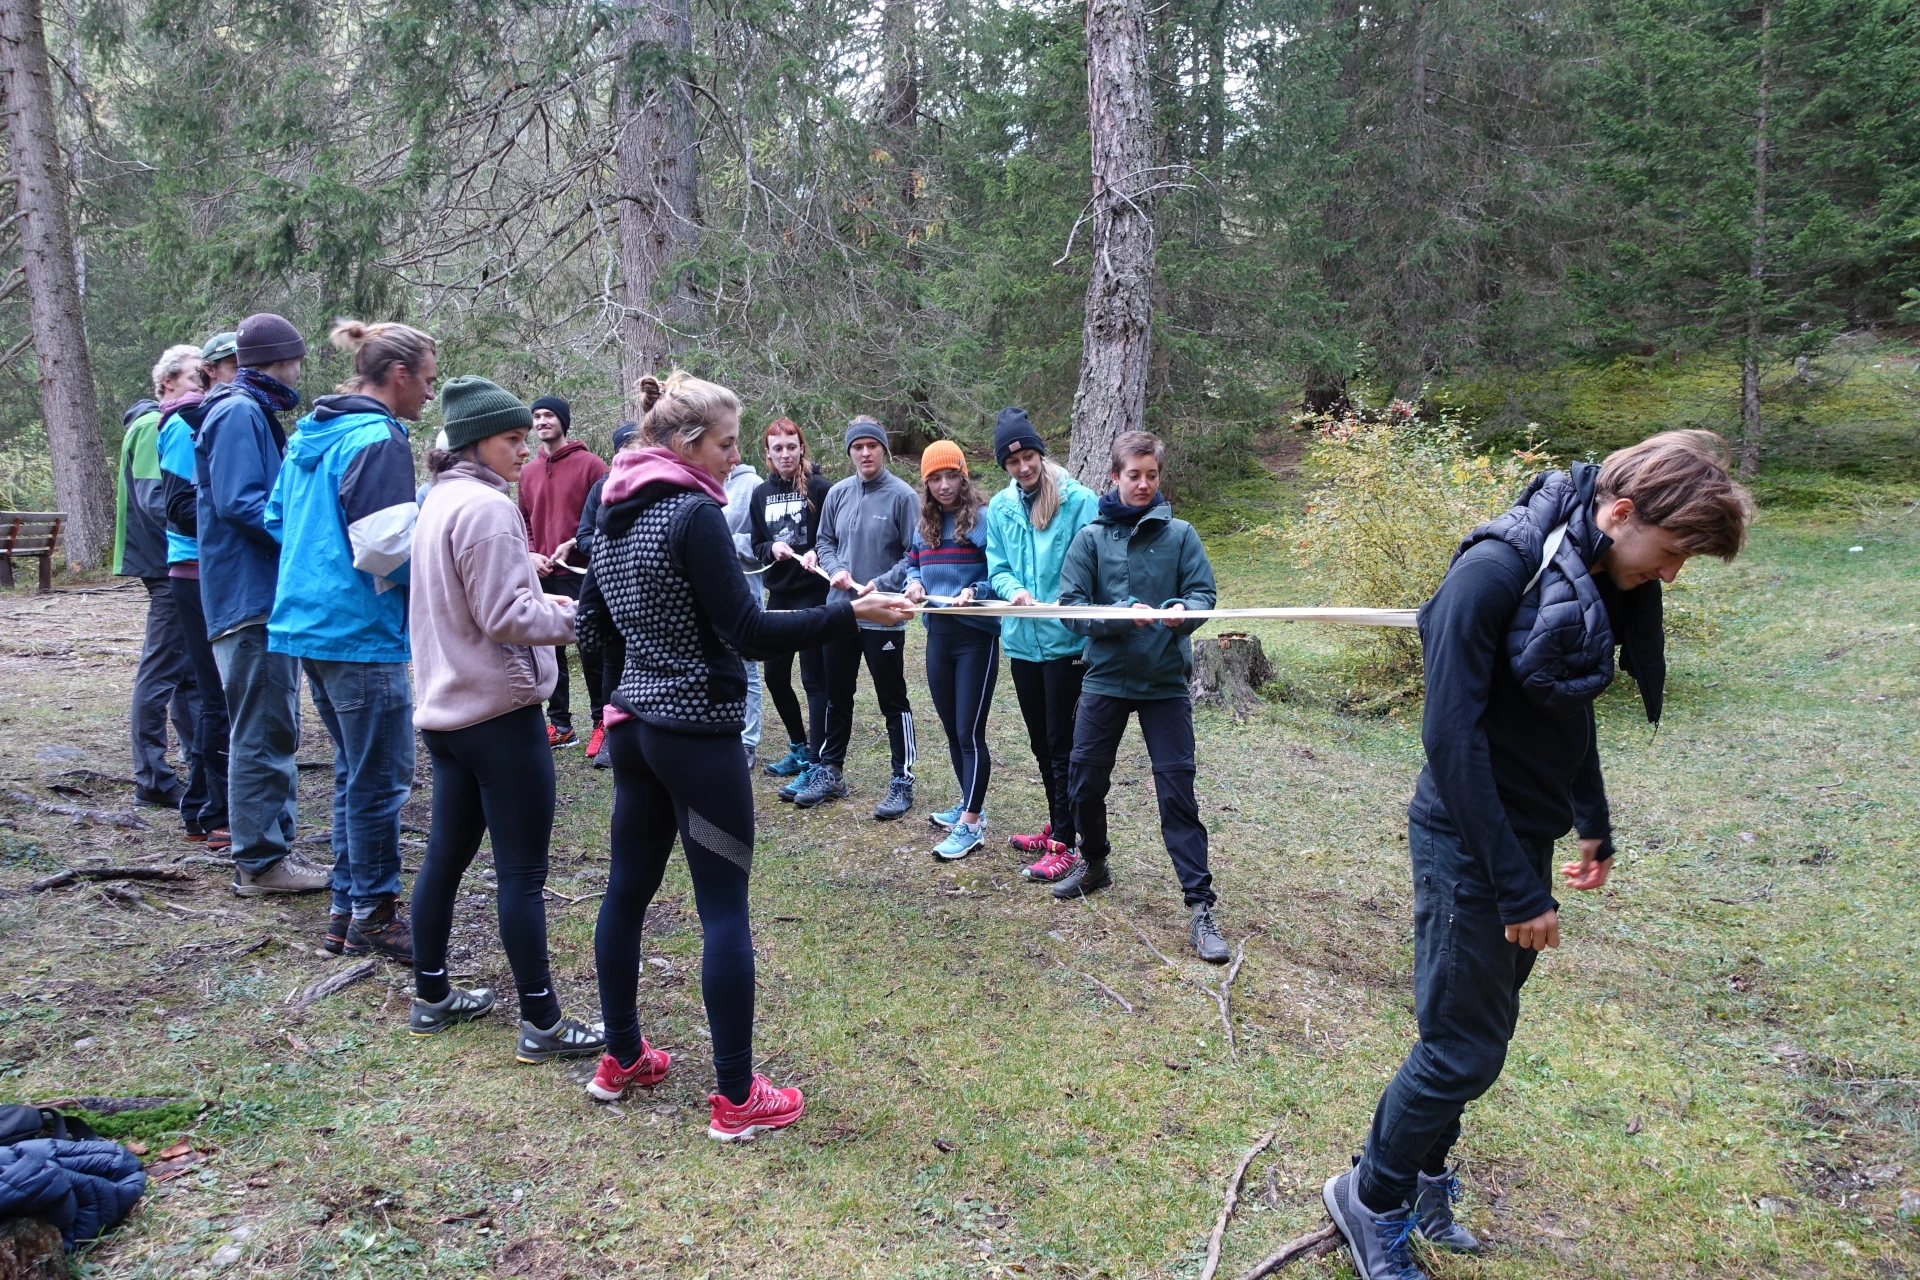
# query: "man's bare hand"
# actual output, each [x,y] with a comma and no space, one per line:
[1590,872]
[1175,607]
[1537,934]
[541,565]
[1023,596]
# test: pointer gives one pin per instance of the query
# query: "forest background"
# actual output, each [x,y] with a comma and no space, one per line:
[841,207]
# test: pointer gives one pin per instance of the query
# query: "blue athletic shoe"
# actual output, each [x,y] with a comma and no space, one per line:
[791,764]
[961,841]
[799,783]
[947,818]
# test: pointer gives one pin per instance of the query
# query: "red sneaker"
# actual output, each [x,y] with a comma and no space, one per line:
[1057,861]
[596,739]
[612,1079]
[559,737]
[765,1110]
[1034,843]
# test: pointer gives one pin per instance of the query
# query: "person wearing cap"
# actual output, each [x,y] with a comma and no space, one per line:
[611,656]
[866,525]
[1030,525]
[237,453]
[220,358]
[553,491]
[483,625]
[343,509]
[948,561]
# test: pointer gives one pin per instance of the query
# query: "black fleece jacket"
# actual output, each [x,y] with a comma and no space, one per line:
[781,512]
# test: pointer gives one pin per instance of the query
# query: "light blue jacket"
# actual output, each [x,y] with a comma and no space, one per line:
[343,509]
[1020,556]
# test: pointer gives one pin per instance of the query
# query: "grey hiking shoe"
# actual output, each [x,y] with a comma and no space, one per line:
[1433,1208]
[1204,934]
[1088,874]
[290,874]
[567,1038]
[824,784]
[1381,1243]
[459,1006]
[899,800]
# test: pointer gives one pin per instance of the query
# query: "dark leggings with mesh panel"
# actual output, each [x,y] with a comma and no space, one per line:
[694,786]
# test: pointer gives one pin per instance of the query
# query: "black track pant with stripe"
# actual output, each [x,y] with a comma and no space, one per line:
[885,653]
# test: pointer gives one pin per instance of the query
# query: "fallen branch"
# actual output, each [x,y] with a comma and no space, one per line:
[1224,996]
[573,901]
[1233,1199]
[106,1106]
[1116,997]
[1313,1244]
[111,817]
[337,982]
[74,874]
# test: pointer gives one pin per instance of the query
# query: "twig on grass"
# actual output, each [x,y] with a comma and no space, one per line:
[1114,995]
[1224,995]
[112,817]
[73,874]
[1313,1244]
[1232,1200]
[338,982]
[571,900]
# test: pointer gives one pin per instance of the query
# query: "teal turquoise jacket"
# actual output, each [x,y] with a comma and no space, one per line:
[1157,561]
[1020,556]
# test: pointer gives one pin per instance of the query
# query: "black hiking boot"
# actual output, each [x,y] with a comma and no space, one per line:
[1088,875]
[1204,934]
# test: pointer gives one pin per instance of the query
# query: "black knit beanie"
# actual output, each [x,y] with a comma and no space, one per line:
[1012,433]
[556,406]
[266,338]
[474,409]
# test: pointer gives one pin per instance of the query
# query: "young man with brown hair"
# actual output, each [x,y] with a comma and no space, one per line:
[1518,642]
[553,489]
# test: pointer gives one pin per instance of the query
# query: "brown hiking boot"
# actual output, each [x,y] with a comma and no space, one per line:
[291,874]
[386,931]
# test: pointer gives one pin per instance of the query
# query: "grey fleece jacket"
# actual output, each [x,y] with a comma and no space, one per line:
[866,527]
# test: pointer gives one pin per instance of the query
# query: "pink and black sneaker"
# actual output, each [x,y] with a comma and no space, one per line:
[1034,843]
[1053,864]
[765,1110]
[612,1079]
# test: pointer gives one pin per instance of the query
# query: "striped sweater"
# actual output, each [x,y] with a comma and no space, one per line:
[952,567]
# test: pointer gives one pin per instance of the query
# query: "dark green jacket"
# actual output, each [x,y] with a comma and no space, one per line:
[1159,561]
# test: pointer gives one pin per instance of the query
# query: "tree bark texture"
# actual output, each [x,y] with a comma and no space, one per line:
[655,170]
[30,1249]
[82,481]
[1228,670]
[909,418]
[1756,272]
[1118,330]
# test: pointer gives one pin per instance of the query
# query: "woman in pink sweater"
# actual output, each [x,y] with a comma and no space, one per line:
[483,635]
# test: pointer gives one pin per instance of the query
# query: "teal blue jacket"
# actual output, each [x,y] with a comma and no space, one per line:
[1158,561]
[1021,557]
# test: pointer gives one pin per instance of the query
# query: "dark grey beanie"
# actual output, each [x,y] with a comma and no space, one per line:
[865,428]
[266,338]
[474,409]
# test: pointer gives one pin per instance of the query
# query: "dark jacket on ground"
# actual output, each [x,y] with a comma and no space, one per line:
[1151,558]
[237,455]
[1502,766]
[80,1187]
[781,513]
[553,489]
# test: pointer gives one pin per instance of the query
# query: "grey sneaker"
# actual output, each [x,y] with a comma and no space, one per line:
[459,1006]
[567,1038]
[291,874]
[1433,1208]
[899,800]
[825,784]
[1204,934]
[1379,1242]
[1088,874]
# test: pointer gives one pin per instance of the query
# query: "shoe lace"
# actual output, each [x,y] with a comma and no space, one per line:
[1396,1236]
[1203,920]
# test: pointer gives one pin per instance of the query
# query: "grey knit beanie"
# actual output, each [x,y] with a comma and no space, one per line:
[474,409]
[266,338]
[865,428]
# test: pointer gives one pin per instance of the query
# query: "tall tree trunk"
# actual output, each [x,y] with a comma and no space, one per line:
[909,418]
[82,481]
[1756,269]
[1118,331]
[654,166]
[1216,84]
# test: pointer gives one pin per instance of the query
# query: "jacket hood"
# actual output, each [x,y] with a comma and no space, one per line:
[136,409]
[181,402]
[566,447]
[1115,512]
[466,469]
[334,406]
[637,468]
[319,431]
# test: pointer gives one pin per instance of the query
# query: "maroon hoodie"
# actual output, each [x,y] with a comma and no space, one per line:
[553,489]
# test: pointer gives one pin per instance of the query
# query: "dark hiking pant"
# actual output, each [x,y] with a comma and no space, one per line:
[1049,694]
[885,653]
[1167,726]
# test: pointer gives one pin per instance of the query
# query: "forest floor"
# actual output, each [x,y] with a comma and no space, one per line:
[1718,1074]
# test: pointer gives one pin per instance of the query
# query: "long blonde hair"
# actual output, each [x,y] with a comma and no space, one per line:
[1046,496]
[681,408]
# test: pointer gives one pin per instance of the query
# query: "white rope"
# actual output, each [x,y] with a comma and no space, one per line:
[1126,613]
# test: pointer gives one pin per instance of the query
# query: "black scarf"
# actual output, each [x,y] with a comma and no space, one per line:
[274,395]
[1114,511]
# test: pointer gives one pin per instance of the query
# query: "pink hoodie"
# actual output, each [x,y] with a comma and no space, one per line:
[638,468]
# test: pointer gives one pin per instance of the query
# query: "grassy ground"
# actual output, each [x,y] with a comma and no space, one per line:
[1715,1076]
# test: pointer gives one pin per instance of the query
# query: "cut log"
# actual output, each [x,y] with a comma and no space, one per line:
[31,1249]
[1228,670]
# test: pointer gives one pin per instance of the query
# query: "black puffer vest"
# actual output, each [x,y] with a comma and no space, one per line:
[679,673]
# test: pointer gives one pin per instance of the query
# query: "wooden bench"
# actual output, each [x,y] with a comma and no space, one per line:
[29,533]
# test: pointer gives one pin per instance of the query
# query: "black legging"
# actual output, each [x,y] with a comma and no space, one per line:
[493,778]
[1049,694]
[813,678]
[658,778]
[963,666]
[210,730]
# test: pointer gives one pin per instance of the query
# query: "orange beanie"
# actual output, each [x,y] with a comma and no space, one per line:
[942,455]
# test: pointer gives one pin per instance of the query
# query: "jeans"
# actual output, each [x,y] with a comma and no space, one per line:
[263,708]
[1167,726]
[368,710]
[886,657]
[963,667]
[1049,694]
[163,682]
[1466,994]
[210,729]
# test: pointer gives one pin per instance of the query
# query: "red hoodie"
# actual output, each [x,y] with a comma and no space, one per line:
[553,489]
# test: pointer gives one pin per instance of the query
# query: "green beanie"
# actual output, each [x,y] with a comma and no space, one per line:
[475,409]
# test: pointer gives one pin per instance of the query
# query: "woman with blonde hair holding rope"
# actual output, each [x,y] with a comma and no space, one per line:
[666,576]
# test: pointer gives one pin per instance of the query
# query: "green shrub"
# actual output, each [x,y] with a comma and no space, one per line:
[26,473]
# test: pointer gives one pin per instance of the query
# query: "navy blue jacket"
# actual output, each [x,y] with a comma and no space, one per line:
[80,1187]
[237,454]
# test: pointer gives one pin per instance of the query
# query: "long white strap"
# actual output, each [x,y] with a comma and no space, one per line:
[1553,542]
[1126,613]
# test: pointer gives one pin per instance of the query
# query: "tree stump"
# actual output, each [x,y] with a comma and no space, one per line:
[31,1250]
[1228,669]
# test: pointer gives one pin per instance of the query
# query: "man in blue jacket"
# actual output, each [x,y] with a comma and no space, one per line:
[343,509]
[237,453]
[1136,554]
